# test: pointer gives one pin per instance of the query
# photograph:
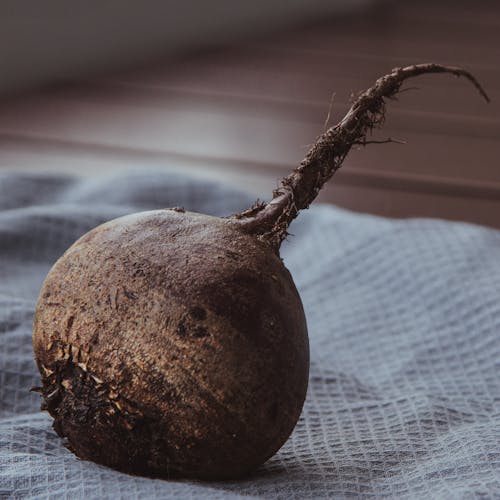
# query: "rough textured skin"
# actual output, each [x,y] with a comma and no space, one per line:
[172,344]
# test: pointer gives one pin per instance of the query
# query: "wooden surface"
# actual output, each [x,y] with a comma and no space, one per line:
[246,114]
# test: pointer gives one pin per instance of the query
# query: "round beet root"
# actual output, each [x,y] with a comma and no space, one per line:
[172,343]
[175,344]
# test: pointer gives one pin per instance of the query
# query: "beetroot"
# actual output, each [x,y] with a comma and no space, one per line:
[175,344]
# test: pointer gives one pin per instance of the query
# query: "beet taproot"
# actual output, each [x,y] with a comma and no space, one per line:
[172,343]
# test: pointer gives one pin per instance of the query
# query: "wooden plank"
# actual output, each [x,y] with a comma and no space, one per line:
[400,203]
[394,29]
[283,87]
[80,158]
[233,136]
[425,112]
[460,13]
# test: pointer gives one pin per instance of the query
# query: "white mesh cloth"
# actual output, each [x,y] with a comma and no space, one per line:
[404,324]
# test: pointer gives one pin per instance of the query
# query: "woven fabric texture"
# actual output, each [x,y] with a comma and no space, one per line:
[404,325]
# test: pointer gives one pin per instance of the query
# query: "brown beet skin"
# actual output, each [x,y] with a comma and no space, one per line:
[172,344]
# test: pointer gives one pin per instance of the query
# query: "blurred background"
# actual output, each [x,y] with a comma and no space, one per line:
[237,91]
